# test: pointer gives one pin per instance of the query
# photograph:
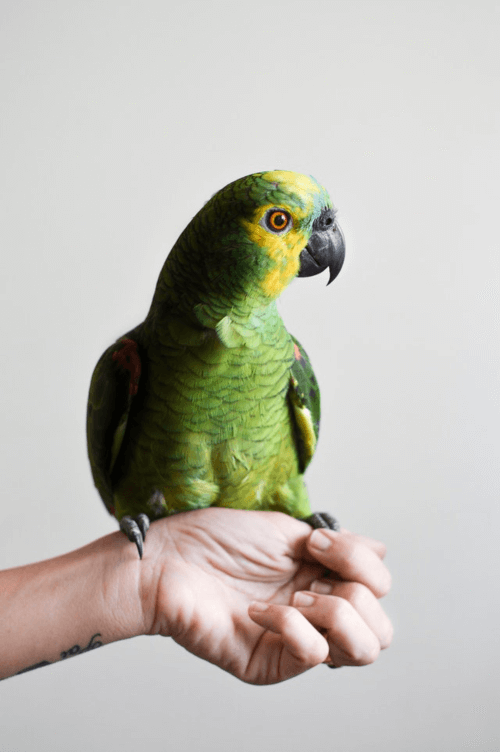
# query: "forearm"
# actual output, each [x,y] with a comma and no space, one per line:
[57,608]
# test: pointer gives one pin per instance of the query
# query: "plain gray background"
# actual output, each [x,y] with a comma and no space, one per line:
[119,119]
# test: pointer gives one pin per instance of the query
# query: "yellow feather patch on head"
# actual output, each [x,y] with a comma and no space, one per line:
[304,188]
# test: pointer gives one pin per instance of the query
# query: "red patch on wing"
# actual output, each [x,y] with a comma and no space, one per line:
[128,358]
[298,355]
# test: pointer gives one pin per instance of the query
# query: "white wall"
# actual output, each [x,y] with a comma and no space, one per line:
[119,119]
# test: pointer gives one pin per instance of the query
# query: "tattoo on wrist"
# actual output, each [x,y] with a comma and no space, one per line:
[75,650]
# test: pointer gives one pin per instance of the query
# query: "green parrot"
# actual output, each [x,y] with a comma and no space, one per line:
[210,401]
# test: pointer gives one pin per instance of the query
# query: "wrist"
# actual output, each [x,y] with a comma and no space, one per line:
[133,591]
[124,585]
[156,578]
[67,605]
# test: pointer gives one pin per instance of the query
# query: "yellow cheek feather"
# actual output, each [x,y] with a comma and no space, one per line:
[283,250]
[287,267]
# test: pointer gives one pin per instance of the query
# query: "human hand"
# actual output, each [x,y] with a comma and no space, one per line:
[203,570]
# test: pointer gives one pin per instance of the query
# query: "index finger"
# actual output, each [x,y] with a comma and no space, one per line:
[375,545]
[352,559]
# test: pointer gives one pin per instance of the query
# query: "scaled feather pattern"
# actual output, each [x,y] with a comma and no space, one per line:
[210,401]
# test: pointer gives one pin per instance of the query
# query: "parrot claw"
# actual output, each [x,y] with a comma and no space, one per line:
[322,519]
[143,523]
[135,529]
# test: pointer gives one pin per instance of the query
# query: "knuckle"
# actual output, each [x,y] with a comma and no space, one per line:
[384,584]
[356,594]
[350,552]
[365,654]
[387,636]
[287,618]
[372,654]
[340,608]
[383,549]
[312,655]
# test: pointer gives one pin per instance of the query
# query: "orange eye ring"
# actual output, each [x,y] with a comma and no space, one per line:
[278,220]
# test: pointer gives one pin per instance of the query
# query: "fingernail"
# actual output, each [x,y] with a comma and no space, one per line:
[303,599]
[321,587]
[319,540]
[258,607]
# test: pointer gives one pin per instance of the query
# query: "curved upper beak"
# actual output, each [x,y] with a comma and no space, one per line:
[325,249]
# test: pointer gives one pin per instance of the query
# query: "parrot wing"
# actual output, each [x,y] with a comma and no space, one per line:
[114,385]
[304,397]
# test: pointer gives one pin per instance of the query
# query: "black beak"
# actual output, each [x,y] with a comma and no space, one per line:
[326,247]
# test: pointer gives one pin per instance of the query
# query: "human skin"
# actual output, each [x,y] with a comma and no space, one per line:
[252,592]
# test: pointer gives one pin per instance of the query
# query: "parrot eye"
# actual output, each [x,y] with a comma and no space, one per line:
[277,220]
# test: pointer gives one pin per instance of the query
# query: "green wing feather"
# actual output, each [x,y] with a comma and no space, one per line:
[112,391]
[304,398]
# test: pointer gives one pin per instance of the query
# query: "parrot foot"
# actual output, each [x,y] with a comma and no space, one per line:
[135,528]
[322,519]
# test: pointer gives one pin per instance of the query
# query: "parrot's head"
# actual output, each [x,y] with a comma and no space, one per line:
[260,232]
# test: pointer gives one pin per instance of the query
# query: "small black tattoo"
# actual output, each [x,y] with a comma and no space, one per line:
[35,665]
[75,650]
